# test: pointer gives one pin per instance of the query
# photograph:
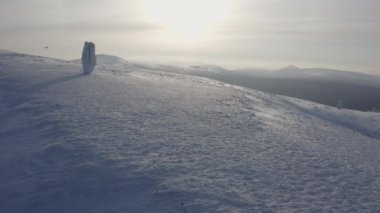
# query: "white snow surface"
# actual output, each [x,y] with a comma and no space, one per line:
[139,140]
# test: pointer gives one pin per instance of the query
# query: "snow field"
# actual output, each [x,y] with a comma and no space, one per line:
[150,141]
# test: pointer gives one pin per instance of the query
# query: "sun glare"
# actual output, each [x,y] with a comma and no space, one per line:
[189,20]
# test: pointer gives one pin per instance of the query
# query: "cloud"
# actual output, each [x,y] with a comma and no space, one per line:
[332,31]
[80,27]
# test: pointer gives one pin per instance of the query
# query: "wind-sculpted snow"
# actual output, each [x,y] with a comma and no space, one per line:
[143,141]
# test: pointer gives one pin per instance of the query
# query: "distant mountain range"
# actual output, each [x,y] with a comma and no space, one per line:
[357,91]
[323,74]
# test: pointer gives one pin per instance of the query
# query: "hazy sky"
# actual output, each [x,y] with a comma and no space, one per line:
[234,33]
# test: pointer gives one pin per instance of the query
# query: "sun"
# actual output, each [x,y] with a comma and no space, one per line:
[189,20]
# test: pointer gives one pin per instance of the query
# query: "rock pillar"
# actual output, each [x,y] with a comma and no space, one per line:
[88,58]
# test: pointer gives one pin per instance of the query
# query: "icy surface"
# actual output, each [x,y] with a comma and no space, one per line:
[135,140]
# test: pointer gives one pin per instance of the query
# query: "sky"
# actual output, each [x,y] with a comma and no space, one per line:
[338,34]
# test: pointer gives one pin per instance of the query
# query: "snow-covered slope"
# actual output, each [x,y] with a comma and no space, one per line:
[140,140]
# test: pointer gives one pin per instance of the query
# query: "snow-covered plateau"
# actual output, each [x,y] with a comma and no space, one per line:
[135,139]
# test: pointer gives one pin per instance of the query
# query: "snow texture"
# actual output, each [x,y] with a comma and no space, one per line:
[88,58]
[153,141]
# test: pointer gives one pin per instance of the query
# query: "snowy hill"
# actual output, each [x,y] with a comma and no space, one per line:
[133,139]
[110,60]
